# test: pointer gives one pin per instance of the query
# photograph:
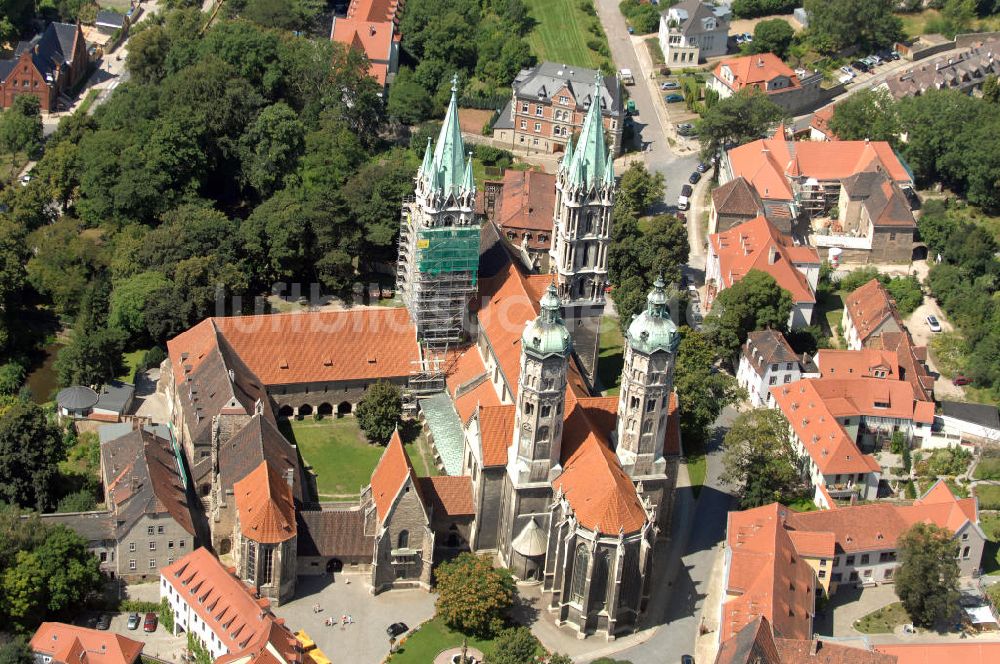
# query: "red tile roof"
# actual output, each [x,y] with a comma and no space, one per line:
[528,204]
[469,384]
[758,245]
[756,71]
[862,363]
[448,495]
[69,644]
[370,26]
[767,576]
[672,443]
[974,652]
[869,306]
[814,651]
[308,347]
[241,621]
[912,361]
[265,506]
[392,471]
[496,426]
[821,122]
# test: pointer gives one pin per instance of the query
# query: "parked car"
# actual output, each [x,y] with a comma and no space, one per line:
[103,622]
[747,37]
[847,70]
[739,39]
[686,190]
[670,85]
[860,65]
[25,179]
[961,380]
[702,167]
[673,99]
[694,177]
[932,322]
[133,621]
[682,202]
[149,624]
[894,55]
[631,30]
[395,629]
[687,659]
[875,59]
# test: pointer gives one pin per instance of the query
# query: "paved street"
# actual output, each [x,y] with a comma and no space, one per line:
[678,595]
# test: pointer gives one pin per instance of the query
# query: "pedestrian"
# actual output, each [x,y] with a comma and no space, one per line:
[350,619]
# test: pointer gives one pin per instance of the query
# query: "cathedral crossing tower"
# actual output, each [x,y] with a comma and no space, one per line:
[439,238]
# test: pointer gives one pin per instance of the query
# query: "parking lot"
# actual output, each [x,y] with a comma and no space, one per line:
[161,643]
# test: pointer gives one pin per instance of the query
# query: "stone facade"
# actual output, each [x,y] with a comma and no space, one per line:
[404,541]
[154,542]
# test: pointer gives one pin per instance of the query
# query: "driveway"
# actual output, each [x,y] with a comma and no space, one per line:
[161,643]
[848,605]
[365,640]
[916,323]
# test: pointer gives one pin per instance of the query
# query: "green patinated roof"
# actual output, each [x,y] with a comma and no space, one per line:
[447,169]
[547,335]
[425,167]
[589,162]
[652,330]
[568,157]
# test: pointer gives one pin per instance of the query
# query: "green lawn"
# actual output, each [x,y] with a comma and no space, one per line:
[913,24]
[884,620]
[430,639]
[831,307]
[129,363]
[560,33]
[988,468]
[337,451]
[610,356]
[802,505]
[989,496]
[697,467]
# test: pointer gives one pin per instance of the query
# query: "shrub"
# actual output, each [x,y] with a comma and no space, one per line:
[154,357]
[594,44]
[587,7]
[139,606]
[166,615]
[951,461]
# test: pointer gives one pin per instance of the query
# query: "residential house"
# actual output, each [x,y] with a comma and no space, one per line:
[524,216]
[869,311]
[96,528]
[222,614]
[767,360]
[970,422]
[758,245]
[47,67]
[964,70]
[148,498]
[877,361]
[110,22]
[372,27]
[734,203]
[769,74]
[819,125]
[759,643]
[871,207]
[59,643]
[549,104]
[832,419]
[692,31]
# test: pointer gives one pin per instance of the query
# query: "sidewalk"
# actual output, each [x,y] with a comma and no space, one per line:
[707,643]
[678,144]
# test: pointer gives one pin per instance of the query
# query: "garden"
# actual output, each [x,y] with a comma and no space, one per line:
[884,620]
[568,31]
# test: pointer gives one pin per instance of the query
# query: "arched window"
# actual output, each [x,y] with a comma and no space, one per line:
[647,426]
[599,582]
[448,221]
[403,540]
[543,434]
[588,227]
[580,561]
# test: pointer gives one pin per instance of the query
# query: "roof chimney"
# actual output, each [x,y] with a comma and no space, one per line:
[772,255]
[760,62]
[813,647]
[371,30]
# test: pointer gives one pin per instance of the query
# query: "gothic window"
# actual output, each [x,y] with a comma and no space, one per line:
[647,426]
[546,410]
[633,403]
[267,564]
[403,539]
[580,561]
[599,582]
[548,383]
[251,561]
[448,221]
[543,434]
[529,408]
[650,405]
[588,227]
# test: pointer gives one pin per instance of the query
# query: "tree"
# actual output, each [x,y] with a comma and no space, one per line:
[836,24]
[663,248]
[147,54]
[907,293]
[772,36]
[927,579]
[759,460]
[92,357]
[78,501]
[130,300]
[30,449]
[409,101]
[638,189]
[744,117]
[755,302]
[15,651]
[515,645]
[702,391]
[991,89]
[21,127]
[868,114]
[271,147]
[379,410]
[473,595]
[956,16]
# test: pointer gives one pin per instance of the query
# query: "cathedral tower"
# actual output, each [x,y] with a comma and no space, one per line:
[578,257]
[439,238]
[646,385]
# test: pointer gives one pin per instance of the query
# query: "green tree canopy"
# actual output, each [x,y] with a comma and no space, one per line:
[837,24]
[638,189]
[379,410]
[744,117]
[92,357]
[927,579]
[772,36]
[21,127]
[271,148]
[759,460]
[868,114]
[702,391]
[515,645]
[473,595]
[129,301]
[30,450]
[755,302]
[409,101]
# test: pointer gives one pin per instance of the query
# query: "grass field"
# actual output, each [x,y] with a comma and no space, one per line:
[560,33]
[989,496]
[337,451]
[430,639]
[988,468]
[802,505]
[129,362]
[697,467]
[884,620]
[610,356]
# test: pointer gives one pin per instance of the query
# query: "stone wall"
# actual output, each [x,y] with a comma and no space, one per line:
[407,514]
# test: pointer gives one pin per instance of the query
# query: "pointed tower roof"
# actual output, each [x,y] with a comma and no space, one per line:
[428,162]
[547,335]
[567,159]
[449,153]
[588,165]
[609,169]
[468,181]
[652,330]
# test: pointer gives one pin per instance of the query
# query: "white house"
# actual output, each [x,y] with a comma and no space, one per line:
[767,360]
[693,30]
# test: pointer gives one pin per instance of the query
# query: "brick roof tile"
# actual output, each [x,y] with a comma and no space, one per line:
[265,506]
[448,495]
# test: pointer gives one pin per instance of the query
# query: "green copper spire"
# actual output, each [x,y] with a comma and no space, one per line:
[587,167]
[568,157]
[547,335]
[425,167]
[468,182]
[449,153]
[609,170]
[652,330]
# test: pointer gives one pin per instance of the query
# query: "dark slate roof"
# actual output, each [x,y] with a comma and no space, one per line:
[6,66]
[884,201]
[545,79]
[976,413]
[76,397]
[334,533]
[255,443]
[106,17]
[141,478]
[54,47]
[114,396]
[94,527]
[765,347]
[505,120]
[492,256]
[737,197]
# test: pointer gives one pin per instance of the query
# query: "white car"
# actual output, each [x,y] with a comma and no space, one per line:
[682,202]
[932,322]
[25,179]
[847,71]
